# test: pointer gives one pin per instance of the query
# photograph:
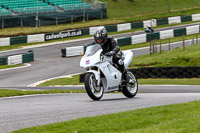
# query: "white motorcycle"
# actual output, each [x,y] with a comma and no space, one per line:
[103,76]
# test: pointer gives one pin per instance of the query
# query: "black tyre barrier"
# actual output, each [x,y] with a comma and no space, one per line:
[162,72]
[167,72]
[63,52]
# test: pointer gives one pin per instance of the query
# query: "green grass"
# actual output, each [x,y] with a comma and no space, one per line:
[10,93]
[146,9]
[176,57]
[8,66]
[74,80]
[177,118]
[192,81]
[118,12]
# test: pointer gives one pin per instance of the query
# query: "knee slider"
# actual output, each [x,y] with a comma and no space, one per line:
[120,62]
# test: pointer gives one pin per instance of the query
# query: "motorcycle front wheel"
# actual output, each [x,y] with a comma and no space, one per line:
[131,89]
[93,90]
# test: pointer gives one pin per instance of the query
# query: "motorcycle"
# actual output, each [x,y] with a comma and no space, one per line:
[102,75]
[149,30]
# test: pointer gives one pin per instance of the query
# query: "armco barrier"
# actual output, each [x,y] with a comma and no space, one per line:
[17,58]
[110,28]
[162,72]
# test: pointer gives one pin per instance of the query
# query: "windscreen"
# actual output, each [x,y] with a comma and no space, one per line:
[91,50]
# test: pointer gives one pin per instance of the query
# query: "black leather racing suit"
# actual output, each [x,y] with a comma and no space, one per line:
[112,47]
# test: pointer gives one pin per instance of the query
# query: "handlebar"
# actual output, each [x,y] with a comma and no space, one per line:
[106,58]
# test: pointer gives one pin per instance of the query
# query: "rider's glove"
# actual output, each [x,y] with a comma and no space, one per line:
[109,54]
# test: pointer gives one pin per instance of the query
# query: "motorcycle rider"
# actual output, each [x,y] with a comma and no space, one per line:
[149,29]
[110,48]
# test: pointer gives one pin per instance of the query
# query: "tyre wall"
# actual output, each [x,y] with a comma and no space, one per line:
[162,72]
[167,72]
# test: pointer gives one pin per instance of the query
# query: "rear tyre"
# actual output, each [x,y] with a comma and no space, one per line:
[131,89]
[94,92]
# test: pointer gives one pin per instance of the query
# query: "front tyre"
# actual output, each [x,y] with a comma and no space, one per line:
[131,88]
[94,92]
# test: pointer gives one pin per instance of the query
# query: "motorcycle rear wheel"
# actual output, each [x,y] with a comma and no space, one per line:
[131,89]
[94,92]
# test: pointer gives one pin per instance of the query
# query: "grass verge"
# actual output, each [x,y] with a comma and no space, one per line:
[192,81]
[8,66]
[177,57]
[170,118]
[10,93]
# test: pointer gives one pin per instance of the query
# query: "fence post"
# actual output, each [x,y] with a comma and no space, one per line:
[21,22]
[72,19]
[39,22]
[2,26]
[87,16]
[197,39]
[160,47]
[150,48]
[155,46]
[101,15]
[56,20]
[192,40]
[169,45]
[183,42]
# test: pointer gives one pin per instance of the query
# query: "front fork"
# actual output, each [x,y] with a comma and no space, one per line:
[99,80]
[97,72]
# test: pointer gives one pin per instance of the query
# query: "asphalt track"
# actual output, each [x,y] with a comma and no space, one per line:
[48,62]
[28,111]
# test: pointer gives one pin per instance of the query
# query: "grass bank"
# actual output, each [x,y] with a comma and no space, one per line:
[170,118]
[10,93]
[177,57]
